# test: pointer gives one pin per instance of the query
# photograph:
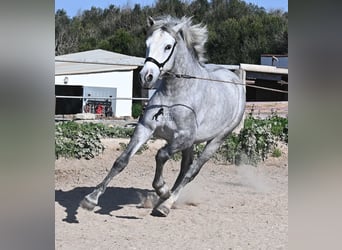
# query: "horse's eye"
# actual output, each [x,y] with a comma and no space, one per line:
[168,47]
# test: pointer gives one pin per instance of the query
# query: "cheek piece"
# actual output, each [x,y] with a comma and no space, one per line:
[161,65]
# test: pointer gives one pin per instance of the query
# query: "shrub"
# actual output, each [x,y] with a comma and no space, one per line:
[83,140]
[229,150]
[136,109]
[77,140]
[257,140]
[276,152]
[198,148]
[144,147]
[117,132]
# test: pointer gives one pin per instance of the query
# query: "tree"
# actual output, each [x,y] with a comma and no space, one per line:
[171,7]
[66,41]
[223,43]
[238,32]
[121,42]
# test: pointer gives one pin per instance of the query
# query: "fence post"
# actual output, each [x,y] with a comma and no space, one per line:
[242,75]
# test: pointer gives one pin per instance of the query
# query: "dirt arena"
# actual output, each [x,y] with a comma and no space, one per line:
[225,207]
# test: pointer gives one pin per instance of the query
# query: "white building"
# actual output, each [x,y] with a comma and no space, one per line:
[86,80]
[279,61]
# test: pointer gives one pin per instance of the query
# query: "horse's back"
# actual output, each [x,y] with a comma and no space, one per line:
[219,72]
[220,104]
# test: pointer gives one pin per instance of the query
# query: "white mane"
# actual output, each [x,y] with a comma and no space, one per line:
[195,36]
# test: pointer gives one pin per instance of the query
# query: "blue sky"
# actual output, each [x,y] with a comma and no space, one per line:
[73,6]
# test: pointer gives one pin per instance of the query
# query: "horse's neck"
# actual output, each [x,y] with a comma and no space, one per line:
[184,64]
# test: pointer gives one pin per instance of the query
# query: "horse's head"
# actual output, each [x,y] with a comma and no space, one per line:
[160,50]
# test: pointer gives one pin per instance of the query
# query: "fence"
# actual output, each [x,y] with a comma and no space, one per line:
[99,105]
[102,105]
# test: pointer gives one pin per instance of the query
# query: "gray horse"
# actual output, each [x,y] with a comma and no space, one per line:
[183,111]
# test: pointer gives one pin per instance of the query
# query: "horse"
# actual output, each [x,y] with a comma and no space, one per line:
[183,111]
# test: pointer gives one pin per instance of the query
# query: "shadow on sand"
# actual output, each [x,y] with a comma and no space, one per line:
[113,199]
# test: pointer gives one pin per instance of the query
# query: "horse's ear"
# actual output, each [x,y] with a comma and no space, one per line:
[150,21]
[181,34]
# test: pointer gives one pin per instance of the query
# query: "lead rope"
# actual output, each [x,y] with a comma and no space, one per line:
[185,76]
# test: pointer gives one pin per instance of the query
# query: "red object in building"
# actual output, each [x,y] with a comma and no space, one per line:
[99,109]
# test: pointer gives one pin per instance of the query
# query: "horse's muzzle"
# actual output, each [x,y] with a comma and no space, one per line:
[147,79]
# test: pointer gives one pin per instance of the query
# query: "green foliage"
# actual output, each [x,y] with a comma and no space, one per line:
[83,140]
[77,141]
[238,32]
[198,148]
[116,132]
[177,156]
[278,125]
[255,142]
[276,152]
[229,150]
[121,42]
[249,36]
[257,139]
[143,148]
[136,109]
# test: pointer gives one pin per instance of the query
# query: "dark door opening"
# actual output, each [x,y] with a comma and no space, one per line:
[65,106]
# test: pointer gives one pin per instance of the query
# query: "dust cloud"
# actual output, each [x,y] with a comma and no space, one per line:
[252,177]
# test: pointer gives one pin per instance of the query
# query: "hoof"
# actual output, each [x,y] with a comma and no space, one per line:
[87,204]
[160,211]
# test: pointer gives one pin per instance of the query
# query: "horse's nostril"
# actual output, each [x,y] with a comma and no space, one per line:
[149,78]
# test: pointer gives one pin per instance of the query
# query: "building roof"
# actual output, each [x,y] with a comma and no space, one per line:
[95,61]
[277,55]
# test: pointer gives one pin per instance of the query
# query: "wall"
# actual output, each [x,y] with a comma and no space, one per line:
[122,80]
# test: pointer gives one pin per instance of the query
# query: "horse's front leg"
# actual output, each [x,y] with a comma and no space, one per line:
[140,136]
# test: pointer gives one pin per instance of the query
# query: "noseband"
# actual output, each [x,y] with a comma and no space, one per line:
[161,65]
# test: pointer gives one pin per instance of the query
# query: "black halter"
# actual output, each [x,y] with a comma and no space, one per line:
[161,65]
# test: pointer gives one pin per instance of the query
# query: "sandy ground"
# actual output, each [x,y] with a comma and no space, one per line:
[225,207]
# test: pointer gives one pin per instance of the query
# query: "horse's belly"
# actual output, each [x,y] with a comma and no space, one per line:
[205,135]
[214,123]
[164,133]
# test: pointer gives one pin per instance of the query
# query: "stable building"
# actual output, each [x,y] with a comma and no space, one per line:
[96,81]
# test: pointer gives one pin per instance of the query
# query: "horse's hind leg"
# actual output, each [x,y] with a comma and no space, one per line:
[162,156]
[187,159]
[140,136]
[163,208]
[158,182]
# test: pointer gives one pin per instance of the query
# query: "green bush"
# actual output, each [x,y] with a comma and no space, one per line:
[143,148]
[83,140]
[117,132]
[229,150]
[198,148]
[276,152]
[73,140]
[136,109]
[257,140]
